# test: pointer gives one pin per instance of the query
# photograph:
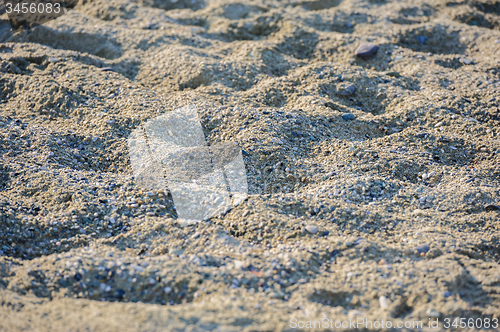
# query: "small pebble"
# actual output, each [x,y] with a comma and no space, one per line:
[466,61]
[422,248]
[354,313]
[366,51]
[348,117]
[421,39]
[420,213]
[383,302]
[393,74]
[425,176]
[345,89]
[312,229]
[120,293]
[492,207]
[433,313]
[238,264]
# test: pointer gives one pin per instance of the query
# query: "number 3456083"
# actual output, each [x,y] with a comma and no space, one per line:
[470,323]
[27,8]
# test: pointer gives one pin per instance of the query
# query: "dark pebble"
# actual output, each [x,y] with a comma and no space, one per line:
[421,39]
[422,248]
[106,69]
[345,89]
[393,74]
[330,105]
[492,207]
[358,241]
[447,294]
[314,211]
[120,293]
[348,117]
[366,51]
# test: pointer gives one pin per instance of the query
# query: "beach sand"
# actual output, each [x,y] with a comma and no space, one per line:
[373,182]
